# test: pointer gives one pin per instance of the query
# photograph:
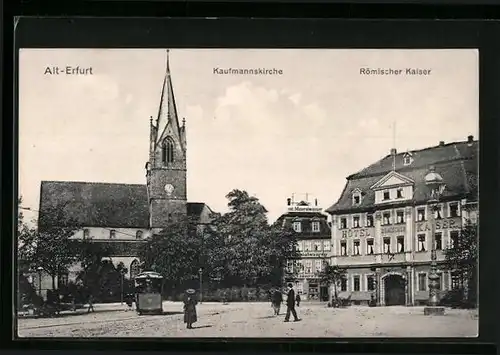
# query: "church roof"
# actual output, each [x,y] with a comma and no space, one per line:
[93,204]
[456,162]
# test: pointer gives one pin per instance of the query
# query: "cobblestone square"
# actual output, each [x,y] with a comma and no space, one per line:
[255,320]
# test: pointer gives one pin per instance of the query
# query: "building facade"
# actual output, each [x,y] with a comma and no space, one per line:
[125,215]
[381,228]
[314,239]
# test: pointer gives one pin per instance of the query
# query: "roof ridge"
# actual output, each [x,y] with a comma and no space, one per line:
[90,182]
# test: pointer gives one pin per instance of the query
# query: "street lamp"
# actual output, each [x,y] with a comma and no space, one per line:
[40,269]
[200,273]
[434,182]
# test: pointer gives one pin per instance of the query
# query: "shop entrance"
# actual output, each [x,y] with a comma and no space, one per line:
[394,290]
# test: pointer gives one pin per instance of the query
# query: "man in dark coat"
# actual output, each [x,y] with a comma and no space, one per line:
[290,304]
[190,302]
[276,299]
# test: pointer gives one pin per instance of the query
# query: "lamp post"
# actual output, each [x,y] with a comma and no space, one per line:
[434,182]
[200,273]
[40,269]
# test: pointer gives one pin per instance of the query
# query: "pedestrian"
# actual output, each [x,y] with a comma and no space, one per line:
[190,303]
[91,304]
[129,300]
[290,304]
[277,299]
[297,299]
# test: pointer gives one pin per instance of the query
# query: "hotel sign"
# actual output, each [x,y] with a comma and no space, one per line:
[303,209]
[357,232]
[393,229]
[440,224]
[316,254]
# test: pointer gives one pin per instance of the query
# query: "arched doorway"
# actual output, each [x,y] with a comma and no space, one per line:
[394,290]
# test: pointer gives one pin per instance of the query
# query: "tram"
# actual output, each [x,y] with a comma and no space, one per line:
[148,293]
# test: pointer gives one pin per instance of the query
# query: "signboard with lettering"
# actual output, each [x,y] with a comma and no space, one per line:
[316,254]
[439,223]
[304,209]
[393,229]
[357,232]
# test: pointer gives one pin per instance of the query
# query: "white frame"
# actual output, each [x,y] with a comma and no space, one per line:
[353,247]
[317,243]
[390,217]
[340,247]
[327,245]
[372,220]
[315,226]
[384,244]
[297,223]
[397,244]
[359,221]
[417,208]
[459,212]
[396,219]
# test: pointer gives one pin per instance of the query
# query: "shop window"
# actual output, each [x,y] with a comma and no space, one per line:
[369,220]
[356,283]
[370,282]
[386,218]
[420,214]
[369,247]
[400,217]
[439,241]
[422,282]
[401,244]
[343,248]
[355,222]
[343,284]
[421,242]
[387,245]
[356,247]
[343,223]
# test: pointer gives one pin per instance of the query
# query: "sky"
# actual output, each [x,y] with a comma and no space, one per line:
[303,131]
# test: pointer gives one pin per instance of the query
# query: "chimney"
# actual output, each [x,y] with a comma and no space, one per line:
[288,201]
[316,202]
[470,139]
[394,151]
[441,143]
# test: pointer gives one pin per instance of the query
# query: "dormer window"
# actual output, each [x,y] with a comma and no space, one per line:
[315,226]
[356,197]
[407,159]
[387,195]
[297,227]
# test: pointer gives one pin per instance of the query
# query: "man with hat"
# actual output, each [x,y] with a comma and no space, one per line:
[290,304]
[190,303]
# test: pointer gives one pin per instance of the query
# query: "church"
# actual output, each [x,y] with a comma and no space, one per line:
[125,215]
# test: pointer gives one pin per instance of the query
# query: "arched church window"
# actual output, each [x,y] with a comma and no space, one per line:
[168,151]
[135,268]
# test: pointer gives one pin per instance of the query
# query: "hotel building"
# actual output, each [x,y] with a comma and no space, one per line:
[314,246]
[380,224]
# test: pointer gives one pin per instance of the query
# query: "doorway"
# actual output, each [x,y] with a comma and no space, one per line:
[323,291]
[395,290]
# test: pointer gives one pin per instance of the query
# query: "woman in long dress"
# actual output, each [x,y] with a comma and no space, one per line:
[190,303]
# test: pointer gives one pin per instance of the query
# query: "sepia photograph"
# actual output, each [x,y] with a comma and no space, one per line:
[313,193]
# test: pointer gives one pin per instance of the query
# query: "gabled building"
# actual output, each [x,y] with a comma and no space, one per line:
[125,215]
[380,224]
[314,238]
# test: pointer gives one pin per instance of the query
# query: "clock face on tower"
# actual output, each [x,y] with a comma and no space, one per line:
[169,189]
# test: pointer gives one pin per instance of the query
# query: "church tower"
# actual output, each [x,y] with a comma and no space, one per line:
[166,168]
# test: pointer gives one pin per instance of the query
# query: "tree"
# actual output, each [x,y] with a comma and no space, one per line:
[247,249]
[174,253]
[462,261]
[51,246]
[332,275]
[90,255]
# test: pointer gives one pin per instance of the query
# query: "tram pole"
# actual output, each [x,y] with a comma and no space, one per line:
[200,272]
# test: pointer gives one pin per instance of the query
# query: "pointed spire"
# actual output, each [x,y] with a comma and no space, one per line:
[167,113]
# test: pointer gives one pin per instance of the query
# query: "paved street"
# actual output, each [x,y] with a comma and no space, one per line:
[255,320]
